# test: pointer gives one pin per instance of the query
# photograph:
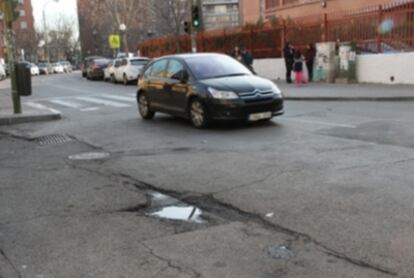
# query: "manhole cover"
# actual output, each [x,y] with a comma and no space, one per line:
[89,156]
[54,139]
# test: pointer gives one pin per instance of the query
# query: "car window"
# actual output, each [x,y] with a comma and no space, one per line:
[175,70]
[215,66]
[117,63]
[158,68]
[124,62]
[137,62]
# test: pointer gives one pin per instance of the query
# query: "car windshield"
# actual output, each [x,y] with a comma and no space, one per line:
[101,62]
[138,62]
[215,66]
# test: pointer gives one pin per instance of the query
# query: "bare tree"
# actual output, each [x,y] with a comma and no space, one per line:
[124,12]
[170,16]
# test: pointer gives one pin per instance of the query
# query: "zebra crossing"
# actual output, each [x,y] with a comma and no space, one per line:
[88,103]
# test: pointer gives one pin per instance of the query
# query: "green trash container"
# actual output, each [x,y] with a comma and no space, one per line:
[24,79]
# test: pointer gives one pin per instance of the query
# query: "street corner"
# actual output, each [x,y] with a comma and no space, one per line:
[33,113]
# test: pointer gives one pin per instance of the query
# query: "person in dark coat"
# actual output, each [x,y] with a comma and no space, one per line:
[288,54]
[310,59]
[247,59]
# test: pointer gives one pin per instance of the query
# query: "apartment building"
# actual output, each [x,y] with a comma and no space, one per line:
[301,8]
[221,14]
[24,30]
[251,11]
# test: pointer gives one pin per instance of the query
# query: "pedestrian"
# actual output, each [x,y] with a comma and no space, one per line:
[298,63]
[236,54]
[310,59]
[288,54]
[247,59]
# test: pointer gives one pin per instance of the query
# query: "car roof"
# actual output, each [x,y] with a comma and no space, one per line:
[193,55]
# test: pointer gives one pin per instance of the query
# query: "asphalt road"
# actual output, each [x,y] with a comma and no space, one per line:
[323,191]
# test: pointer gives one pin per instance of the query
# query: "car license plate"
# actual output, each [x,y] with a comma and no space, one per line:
[260,116]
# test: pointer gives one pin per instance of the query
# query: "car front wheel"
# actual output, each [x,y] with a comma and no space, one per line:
[144,108]
[198,114]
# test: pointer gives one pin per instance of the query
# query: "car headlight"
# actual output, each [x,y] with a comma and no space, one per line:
[276,90]
[218,94]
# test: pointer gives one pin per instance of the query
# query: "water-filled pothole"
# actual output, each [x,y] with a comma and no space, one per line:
[167,207]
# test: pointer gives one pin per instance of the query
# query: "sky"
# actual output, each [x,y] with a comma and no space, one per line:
[64,8]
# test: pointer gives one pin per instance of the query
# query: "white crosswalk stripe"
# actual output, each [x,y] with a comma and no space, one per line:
[66,103]
[103,102]
[122,98]
[88,103]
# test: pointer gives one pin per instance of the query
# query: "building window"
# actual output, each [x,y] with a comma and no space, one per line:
[22,13]
[21,2]
[23,25]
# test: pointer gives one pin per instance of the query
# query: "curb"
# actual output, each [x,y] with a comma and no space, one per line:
[384,99]
[20,119]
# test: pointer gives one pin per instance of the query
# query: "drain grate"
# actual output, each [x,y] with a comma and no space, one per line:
[54,139]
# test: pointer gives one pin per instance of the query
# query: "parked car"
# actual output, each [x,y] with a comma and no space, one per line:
[67,67]
[57,68]
[129,69]
[3,74]
[206,87]
[109,70]
[86,61]
[45,68]
[96,68]
[34,70]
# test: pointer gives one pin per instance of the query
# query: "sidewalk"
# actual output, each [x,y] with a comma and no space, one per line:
[30,114]
[347,92]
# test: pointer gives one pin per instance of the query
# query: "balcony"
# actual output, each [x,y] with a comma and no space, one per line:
[280,4]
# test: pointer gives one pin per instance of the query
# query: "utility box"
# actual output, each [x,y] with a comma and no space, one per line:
[24,79]
[324,67]
[346,67]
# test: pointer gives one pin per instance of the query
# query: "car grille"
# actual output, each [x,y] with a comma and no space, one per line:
[256,96]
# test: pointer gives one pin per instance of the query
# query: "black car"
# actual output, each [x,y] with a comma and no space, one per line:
[85,64]
[95,69]
[206,87]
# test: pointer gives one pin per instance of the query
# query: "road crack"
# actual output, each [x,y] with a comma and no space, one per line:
[10,263]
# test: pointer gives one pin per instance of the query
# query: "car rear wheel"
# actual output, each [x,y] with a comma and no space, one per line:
[144,108]
[198,114]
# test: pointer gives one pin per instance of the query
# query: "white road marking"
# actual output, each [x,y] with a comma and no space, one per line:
[103,102]
[41,106]
[69,89]
[65,103]
[321,123]
[122,98]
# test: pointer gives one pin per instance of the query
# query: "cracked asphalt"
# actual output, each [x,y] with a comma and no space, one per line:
[330,182]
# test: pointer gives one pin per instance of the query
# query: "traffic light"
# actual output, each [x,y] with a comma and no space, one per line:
[195,16]
[187,27]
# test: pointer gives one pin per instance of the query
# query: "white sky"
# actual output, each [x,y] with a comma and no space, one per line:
[64,8]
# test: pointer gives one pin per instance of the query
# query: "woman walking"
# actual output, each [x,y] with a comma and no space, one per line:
[298,67]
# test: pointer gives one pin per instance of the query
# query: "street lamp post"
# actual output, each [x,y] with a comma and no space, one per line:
[45,28]
[123,29]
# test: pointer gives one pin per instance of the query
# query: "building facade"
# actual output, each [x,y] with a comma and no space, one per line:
[302,8]
[251,11]
[25,32]
[219,14]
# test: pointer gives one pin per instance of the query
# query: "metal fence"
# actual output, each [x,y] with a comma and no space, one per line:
[374,29]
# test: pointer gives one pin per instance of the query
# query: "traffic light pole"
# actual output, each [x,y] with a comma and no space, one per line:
[11,54]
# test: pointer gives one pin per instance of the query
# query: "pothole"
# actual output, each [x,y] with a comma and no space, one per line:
[167,207]
[89,156]
[280,252]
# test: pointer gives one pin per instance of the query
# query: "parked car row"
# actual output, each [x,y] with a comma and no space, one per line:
[122,70]
[51,68]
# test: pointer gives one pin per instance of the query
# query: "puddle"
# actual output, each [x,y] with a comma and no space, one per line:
[89,156]
[280,252]
[167,207]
